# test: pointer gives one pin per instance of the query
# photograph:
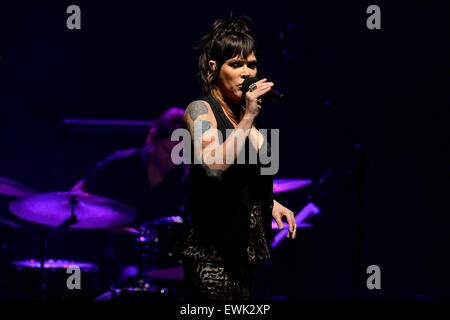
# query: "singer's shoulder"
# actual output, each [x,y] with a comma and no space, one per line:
[199,103]
[199,111]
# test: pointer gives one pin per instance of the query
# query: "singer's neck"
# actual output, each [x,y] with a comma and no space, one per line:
[232,108]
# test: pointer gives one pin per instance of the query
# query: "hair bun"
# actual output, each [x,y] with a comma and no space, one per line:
[236,25]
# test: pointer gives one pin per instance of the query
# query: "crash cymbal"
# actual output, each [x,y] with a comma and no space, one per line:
[13,188]
[55,208]
[282,185]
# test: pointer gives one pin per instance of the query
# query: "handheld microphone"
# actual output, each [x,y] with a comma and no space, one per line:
[272,95]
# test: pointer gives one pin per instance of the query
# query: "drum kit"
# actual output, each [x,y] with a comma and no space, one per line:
[158,266]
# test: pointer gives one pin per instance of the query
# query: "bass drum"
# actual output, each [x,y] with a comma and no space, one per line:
[25,280]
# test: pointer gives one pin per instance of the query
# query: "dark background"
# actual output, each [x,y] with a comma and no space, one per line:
[387,90]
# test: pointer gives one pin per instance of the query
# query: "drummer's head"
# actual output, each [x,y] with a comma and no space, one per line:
[158,138]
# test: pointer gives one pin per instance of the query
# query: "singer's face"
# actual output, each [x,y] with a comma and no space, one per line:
[233,72]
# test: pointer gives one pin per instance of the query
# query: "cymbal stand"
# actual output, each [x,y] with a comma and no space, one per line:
[44,237]
[142,244]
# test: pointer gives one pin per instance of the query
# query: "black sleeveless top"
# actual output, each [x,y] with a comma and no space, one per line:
[220,208]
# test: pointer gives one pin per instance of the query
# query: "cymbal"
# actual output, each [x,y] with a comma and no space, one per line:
[282,185]
[54,208]
[13,188]
[54,264]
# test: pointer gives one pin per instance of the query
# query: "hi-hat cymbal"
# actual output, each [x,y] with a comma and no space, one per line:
[282,185]
[54,208]
[13,188]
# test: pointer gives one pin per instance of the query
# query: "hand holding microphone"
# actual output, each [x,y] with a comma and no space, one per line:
[253,95]
[271,95]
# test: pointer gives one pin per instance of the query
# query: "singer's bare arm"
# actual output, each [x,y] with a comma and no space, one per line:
[256,138]
[216,157]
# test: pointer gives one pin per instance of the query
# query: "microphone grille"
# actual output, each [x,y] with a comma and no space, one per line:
[247,83]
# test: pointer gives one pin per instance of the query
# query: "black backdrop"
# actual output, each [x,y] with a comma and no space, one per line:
[388,88]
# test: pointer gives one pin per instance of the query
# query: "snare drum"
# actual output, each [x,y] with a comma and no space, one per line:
[25,280]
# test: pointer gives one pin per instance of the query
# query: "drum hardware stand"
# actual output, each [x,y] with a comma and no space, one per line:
[140,284]
[44,237]
[142,244]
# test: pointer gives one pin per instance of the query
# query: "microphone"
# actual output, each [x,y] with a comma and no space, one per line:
[272,95]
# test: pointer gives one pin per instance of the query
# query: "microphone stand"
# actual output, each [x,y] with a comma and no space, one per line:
[359,165]
[356,172]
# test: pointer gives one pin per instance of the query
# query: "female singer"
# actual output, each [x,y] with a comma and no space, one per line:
[231,204]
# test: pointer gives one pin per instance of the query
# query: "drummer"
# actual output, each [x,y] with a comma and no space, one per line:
[145,178]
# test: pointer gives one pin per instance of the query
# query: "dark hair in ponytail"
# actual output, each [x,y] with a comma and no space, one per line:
[225,40]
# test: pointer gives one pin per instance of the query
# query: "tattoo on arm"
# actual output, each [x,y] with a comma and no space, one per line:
[205,125]
[206,143]
[196,109]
